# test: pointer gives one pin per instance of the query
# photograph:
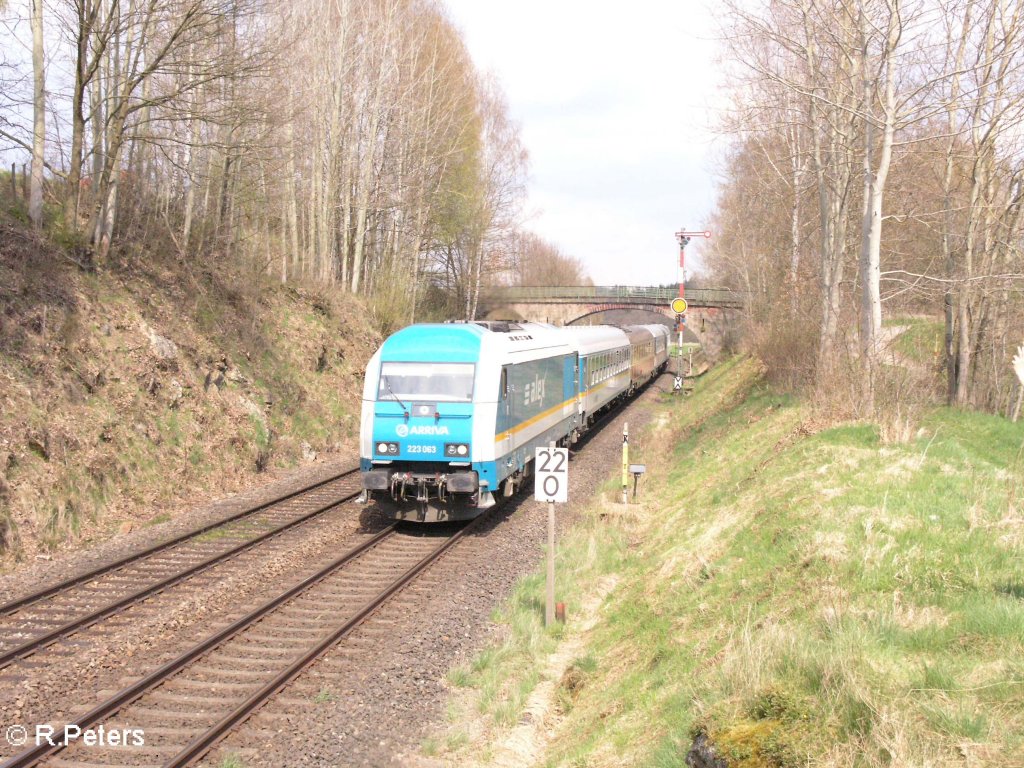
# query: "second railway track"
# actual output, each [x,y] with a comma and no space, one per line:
[55,612]
[188,704]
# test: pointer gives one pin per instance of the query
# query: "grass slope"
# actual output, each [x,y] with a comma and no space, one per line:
[799,597]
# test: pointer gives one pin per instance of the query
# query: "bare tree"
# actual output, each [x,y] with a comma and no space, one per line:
[35,197]
[801,47]
[536,262]
[91,33]
[876,169]
[855,86]
[341,141]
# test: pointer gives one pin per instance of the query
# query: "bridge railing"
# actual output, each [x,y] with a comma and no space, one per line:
[709,297]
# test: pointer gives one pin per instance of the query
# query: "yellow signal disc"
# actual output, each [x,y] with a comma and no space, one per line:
[678,305]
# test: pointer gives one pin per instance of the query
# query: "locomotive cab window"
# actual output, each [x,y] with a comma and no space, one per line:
[445,382]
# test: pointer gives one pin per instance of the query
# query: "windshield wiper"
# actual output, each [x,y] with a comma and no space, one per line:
[387,383]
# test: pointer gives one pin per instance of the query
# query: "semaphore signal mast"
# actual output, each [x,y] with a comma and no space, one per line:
[683,237]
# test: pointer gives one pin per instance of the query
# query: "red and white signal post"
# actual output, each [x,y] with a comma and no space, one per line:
[683,237]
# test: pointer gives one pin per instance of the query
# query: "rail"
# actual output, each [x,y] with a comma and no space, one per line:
[408,566]
[320,497]
[22,602]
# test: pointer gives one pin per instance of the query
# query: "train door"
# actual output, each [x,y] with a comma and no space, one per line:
[504,401]
[577,382]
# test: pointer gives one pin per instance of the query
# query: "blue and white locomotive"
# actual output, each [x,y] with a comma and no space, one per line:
[452,412]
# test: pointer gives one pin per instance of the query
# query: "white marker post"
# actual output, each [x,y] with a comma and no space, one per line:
[551,484]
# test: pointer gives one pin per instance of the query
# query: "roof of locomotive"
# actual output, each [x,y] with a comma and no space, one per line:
[430,342]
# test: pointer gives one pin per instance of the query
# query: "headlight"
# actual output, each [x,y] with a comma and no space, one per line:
[387,449]
[456,450]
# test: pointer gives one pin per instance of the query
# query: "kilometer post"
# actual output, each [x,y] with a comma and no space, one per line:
[551,485]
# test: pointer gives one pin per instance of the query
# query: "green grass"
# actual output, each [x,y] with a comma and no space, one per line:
[324,697]
[8,528]
[922,340]
[243,527]
[430,746]
[802,598]
[78,497]
[502,677]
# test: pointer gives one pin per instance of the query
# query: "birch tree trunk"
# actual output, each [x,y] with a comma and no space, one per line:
[35,195]
[795,239]
[90,32]
[965,290]
[874,190]
[363,192]
[831,162]
[291,203]
[949,257]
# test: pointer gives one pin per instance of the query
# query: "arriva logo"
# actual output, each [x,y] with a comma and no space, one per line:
[404,430]
[534,391]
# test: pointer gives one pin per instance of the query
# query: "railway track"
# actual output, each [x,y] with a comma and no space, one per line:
[36,620]
[187,705]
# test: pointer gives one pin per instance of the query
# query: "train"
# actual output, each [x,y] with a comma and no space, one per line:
[452,412]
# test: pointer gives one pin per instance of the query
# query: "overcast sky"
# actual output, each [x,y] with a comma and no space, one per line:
[614,102]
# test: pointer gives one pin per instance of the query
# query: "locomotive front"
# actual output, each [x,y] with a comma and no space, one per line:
[420,405]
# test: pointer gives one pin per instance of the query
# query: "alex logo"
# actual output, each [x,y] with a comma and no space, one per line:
[534,392]
[404,430]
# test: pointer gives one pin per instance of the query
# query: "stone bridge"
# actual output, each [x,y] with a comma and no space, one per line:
[710,317]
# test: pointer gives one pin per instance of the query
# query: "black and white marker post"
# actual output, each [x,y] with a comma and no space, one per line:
[549,601]
[551,484]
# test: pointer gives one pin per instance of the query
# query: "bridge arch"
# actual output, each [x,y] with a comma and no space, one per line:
[635,315]
[710,316]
